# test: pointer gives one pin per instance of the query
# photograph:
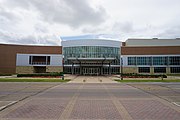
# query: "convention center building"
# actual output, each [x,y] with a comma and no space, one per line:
[94,57]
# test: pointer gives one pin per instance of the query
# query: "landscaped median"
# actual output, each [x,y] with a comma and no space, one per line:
[176,80]
[33,80]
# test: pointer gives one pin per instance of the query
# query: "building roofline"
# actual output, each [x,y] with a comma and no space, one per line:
[29,45]
[93,39]
[152,39]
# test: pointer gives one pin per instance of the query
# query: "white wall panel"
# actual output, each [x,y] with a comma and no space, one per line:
[56,60]
[91,42]
[23,59]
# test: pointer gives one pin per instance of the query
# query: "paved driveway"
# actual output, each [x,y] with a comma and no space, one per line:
[88,101]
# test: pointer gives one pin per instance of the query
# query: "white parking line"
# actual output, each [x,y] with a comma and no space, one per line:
[11,102]
[176,104]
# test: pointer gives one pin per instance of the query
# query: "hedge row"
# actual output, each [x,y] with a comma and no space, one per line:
[40,74]
[143,75]
[5,74]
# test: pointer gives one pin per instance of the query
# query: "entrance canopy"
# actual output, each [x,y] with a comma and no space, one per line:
[91,60]
[91,66]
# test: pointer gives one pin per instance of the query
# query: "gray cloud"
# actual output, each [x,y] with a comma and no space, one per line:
[11,38]
[125,27]
[7,15]
[40,21]
[85,14]
[43,39]
[74,13]
[40,28]
[170,32]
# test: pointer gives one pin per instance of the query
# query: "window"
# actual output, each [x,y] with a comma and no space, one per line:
[175,69]
[159,60]
[90,52]
[160,70]
[144,69]
[174,60]
[143,60]
[39,60]
[131,60]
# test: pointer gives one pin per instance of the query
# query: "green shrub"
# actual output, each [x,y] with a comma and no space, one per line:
[5,74]
[41,74]
[142,75]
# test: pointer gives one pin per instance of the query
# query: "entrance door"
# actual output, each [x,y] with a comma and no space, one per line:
[85,71]
[91,71]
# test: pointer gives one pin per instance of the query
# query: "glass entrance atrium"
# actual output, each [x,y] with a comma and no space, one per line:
[91,60]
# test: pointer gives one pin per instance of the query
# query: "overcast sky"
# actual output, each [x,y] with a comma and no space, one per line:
[45,21]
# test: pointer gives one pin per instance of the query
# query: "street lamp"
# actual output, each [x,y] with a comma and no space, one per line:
[121,68]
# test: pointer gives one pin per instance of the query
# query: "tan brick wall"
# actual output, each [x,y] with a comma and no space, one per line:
[54,69]
[130,70]
[168,70]
[24,69]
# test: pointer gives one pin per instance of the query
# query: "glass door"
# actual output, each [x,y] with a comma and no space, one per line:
[91,71]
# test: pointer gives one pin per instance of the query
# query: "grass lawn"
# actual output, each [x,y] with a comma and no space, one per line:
[177,80]
[32,80]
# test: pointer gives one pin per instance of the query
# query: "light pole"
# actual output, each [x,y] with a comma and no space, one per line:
[121,68]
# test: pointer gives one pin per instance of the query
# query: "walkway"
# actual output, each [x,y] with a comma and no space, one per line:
[91,101]
[93,79]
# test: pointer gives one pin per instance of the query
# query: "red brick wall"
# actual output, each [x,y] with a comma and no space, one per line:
[8,54]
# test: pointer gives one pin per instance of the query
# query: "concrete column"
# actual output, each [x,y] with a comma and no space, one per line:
[46,59]
[109,68]
[101,70]
[151,61]
[151,70]
[167,60]
[31,60]
[72,68]
[80,70]
[168,69]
